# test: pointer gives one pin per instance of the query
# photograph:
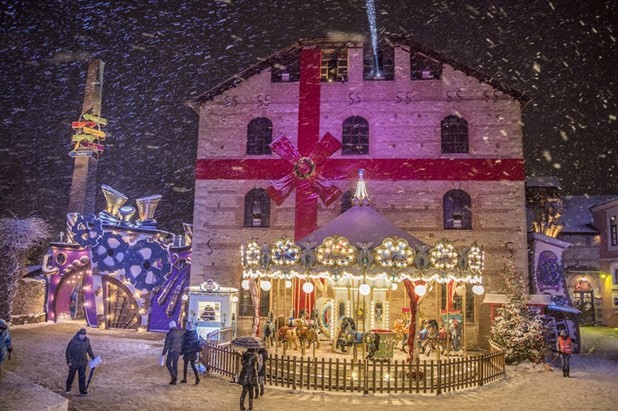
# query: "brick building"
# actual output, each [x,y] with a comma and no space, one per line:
[440,142]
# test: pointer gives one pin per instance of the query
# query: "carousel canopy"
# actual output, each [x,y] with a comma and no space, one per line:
[361,224]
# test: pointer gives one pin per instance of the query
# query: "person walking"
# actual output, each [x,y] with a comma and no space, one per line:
[248,376]
[173,348]
[190,349]
[76,352]
[6,347]
[564,345]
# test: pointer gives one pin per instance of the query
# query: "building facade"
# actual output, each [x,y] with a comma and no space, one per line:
[441,145]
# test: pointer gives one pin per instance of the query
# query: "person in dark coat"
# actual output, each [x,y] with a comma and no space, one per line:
[259,389]
[76,352]
[248,377]
[190,349]
[6,347]
[173,348]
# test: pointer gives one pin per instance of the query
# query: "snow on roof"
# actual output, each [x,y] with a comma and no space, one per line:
[577,217]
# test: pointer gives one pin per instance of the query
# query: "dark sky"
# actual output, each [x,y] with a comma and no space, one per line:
[159,54]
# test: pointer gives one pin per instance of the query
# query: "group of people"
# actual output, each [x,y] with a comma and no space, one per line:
[252,375]
[179,343]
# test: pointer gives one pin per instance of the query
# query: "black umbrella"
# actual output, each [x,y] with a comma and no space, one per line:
[249,342]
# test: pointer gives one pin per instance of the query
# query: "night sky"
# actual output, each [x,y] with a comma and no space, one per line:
[160,54]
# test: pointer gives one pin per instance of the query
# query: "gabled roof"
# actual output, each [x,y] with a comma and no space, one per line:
[577,217]
[290,54]
[361,224]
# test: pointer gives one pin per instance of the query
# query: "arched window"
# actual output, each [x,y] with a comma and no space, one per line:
[259,136]
[346,201]
[355,136]
[457,210]
[257,208]
[454,130]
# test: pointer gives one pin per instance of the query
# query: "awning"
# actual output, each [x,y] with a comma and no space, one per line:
[533,299]
[563,309]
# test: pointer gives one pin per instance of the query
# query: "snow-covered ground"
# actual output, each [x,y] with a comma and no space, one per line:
[131,379]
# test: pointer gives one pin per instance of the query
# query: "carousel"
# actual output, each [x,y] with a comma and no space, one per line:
[356,286]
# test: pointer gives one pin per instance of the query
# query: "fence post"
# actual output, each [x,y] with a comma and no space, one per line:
[480,370]
[366,377]
[439,372]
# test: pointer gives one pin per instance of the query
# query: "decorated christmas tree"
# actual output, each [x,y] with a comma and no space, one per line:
[518,329]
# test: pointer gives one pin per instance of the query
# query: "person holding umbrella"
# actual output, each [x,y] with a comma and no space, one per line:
[76,352]
[250,365]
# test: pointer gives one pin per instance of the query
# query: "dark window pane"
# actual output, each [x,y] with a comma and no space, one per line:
[355,136]
[346,201]
[424,68]
[259,136]
[386,64]
[334,65]
[257,208]
[457,207]
[454,132]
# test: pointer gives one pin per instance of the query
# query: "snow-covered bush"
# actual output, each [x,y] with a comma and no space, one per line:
[517,328]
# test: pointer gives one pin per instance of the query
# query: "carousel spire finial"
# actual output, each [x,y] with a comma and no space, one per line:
[360,196]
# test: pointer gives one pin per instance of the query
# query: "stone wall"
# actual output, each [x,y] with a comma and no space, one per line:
[28,306]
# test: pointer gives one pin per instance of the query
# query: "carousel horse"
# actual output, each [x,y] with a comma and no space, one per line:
[348,336]
[307,333]
[398,327]
[429,337]
[269,333]
[455,334]
[373,343]
[286,334]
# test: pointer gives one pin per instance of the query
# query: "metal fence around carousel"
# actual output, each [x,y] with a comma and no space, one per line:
[365,376]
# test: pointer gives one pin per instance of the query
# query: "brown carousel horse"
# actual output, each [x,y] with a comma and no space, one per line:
[307,333]
[286,335]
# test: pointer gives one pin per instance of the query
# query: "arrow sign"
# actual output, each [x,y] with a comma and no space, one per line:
[99,120]
[81,153]
[80,124]
[84,137]
[92,146]
[94,132]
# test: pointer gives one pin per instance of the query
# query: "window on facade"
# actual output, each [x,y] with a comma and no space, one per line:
[355,136]
[346,201]
[246,304]
[259,136]
[386,64]
[424,68]
[454,132]
[613,231]
[334,65]
[257,208]
[457,210]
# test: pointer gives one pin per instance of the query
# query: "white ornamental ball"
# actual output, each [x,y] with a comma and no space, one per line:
[265,285]
[288,284]
[394,286]
[245,284]
[308,288]
[460,290]
[364,289]
[420,290]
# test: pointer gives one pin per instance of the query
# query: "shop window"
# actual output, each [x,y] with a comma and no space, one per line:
[386,64]
[257,208]
[334,65]
[424,68]
[457,207]
[246,303]
[355,136]
[454,132]
[259,136]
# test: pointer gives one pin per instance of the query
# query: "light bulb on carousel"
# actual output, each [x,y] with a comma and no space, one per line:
[420,290]
[394,286]
[245,284]
[288,284]
[460,290]
[265,285]
[478,289]
[308,288]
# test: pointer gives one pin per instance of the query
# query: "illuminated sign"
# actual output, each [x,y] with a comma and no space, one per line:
[94,132]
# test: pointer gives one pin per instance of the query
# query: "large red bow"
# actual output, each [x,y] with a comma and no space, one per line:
[305,169]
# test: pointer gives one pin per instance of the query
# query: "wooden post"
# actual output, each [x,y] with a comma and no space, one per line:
[463,320]
[438,312]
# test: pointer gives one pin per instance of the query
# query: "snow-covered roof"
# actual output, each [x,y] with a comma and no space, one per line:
[577,217]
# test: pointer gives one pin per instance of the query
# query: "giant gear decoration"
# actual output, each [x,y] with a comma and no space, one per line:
[86,230]
[148,264]
[110,251]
